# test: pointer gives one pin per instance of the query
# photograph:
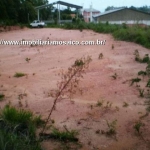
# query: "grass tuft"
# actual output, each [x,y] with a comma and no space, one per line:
[64,135]
[17,130]
[125,104]
[2,96]
[19,74]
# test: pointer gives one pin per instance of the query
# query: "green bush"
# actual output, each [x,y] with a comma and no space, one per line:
[135,34]
[2,96]
[69,26]
[14,116]
[146,58]
[17,130]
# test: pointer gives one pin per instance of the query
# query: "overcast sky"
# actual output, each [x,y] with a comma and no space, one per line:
[102,4]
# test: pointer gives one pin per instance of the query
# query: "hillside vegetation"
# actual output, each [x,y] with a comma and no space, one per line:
[136,33]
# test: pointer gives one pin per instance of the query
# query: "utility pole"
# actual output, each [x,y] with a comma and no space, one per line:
[38,14]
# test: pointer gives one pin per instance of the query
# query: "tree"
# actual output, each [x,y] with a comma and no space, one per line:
[18,11]
[26,10]
[109,8]
[3,14]
[143,8]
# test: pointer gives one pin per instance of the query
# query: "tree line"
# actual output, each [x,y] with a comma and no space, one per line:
[143,8]
[22,11]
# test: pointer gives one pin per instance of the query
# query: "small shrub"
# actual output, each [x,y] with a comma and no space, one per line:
[2,96]
[100,56]
[14,116]
[27,59]
[138,59]
[146,58]
[114,76]
[138,126]
[141,91]
[135,80]
[125,104]
[100,103]
[143,73]
[19,74]
[68,85]
[111,127]
[78,63]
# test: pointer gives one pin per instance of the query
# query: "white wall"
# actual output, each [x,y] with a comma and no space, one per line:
[146,22]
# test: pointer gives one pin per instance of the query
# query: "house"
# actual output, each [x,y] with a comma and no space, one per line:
[88,12]
[123,15]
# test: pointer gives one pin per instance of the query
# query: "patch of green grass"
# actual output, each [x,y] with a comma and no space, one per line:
[64,135]
[14,116]
[137,34]
[135,80]
[17,130]
[67,136]
[19,74]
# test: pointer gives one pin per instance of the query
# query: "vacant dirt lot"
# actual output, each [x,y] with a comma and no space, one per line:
[81,113]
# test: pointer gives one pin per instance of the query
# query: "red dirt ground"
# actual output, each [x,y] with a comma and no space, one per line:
[81,113]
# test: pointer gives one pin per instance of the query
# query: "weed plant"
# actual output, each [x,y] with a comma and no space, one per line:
[19,74]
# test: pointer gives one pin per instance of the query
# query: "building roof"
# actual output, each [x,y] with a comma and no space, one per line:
[89,10]
[69,4]
[61,3]
[115,10]
[108,12]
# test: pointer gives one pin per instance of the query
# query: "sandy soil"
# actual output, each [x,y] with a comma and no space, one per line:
[81,113]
